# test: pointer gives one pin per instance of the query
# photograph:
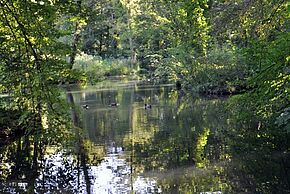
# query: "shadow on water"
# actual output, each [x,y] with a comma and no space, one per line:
[181,144]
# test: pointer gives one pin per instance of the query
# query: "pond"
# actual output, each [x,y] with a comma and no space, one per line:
[146,144]
[177,143]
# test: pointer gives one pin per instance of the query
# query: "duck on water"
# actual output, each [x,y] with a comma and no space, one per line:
[85,106]
[114,104]
[147,106]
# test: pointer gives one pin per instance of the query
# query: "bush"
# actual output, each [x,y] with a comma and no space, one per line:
[97,68]
[223,70]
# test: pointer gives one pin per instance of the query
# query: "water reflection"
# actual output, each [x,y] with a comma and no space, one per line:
[183,144]
[166,142]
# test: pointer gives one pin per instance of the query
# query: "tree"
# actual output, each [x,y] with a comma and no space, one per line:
[32,57]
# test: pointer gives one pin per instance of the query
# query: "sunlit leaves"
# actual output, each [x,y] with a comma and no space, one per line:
[200,146]
[273,78]
[32,59]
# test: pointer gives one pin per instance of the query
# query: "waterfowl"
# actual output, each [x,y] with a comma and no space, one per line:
[147,106]
[85,106]
[114,104]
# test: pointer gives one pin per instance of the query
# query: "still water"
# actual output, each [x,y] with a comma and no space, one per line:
[150,149]
[179,144]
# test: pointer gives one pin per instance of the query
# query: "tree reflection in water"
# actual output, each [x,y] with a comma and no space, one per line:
[183,144]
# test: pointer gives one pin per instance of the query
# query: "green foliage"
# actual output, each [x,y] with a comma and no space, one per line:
[271,82]
[33,60]
[72,76]
[262,114]
[166,71]
[223,69]
[165,34]
[104,34]
[97,68]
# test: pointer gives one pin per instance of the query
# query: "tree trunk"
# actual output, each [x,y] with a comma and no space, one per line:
[76,37]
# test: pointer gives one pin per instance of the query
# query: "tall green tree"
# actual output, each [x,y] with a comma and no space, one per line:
[104,30]
[263,32]
[178,35]
[32,55]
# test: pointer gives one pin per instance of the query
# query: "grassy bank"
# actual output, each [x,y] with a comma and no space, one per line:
[97,69]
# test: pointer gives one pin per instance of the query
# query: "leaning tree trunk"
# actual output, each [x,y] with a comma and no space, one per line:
[76,36]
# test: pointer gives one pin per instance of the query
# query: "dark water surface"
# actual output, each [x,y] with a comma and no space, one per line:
[181,144]
[150,150]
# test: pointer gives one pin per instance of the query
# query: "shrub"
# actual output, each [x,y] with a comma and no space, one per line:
[97,68]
